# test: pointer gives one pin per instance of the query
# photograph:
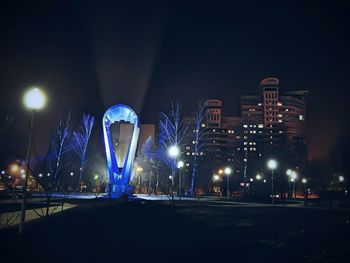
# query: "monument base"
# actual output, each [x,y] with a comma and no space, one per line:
[121,191]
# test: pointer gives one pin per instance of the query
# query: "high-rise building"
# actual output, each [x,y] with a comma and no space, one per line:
[281,122]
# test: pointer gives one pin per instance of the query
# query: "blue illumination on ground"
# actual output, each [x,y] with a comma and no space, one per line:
[119,178]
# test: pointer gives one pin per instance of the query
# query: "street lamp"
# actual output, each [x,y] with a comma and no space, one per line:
[272,165]
[258,177]
[34,99]
[341,178]
[228,171]
[180,164]
[293,178]
[173,152]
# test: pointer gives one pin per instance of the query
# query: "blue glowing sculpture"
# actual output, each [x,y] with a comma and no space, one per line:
[120,161]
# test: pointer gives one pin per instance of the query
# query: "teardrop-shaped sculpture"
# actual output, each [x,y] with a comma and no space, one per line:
[121,128]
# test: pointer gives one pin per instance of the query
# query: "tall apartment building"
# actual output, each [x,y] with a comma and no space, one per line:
[280,119]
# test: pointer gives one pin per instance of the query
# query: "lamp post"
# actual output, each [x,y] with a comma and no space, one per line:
[173,152]
[180,164]
[293,178]
[289,174]
[34,99]
[272,165]
[228,171]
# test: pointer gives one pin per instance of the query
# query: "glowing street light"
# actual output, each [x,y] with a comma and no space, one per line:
[14,168]
[341,178]
[71,173]
[96,177]
[258,177]
[228,171]
[173,151]
[216,177]
[180,164]
[34,99]
[304,180]
[272,165]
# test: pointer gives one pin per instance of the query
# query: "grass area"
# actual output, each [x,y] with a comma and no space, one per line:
[154,231]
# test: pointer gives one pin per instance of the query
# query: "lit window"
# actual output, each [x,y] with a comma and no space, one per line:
[301,117]
[261,126]
[245,126]
[203,125]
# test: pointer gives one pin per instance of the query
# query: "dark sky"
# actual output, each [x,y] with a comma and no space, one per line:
[89,55]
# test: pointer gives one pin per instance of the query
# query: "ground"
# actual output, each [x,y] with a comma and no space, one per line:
[191,231]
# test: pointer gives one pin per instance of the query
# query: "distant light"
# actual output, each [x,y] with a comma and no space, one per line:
[289,172]
[14,168]
[304,180]
[341,178]
[294,176]
[251,179]
[272,164]
[71,173]
[228,170]
[221,171]
[96,176]
[139,169]
[23,176]
[170,177]
[3,172]
[264,180]
[22,171]
[258,177]
[173,151]
[34,99]
[40,175]
[48,174]
[180,164]
[216,177]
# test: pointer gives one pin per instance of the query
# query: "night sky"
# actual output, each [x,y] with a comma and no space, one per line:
[89,55]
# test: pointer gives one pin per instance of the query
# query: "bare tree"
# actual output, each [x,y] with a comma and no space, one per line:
[172,131]
[82,139]
[59,148]
[199,134]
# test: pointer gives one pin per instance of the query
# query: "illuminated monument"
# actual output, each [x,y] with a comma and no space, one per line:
[121,128]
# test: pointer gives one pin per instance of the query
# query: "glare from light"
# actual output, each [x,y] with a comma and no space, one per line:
[289,172]
[40,175]
[294,176]
[2,172]
[228,170]
[251,179]
[71,173]
[170,177]
[264,180]
[23,176]
[139,169]
[304,180]
[96,176]
[272,164]
[216,177]
[34,99]
[221,171]
[258,177]
[14,168]
[48,174]
[22,171]
[173,151]
[341,178]
[180,164]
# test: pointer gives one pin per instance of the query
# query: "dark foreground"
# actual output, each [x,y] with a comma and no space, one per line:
[108,231]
